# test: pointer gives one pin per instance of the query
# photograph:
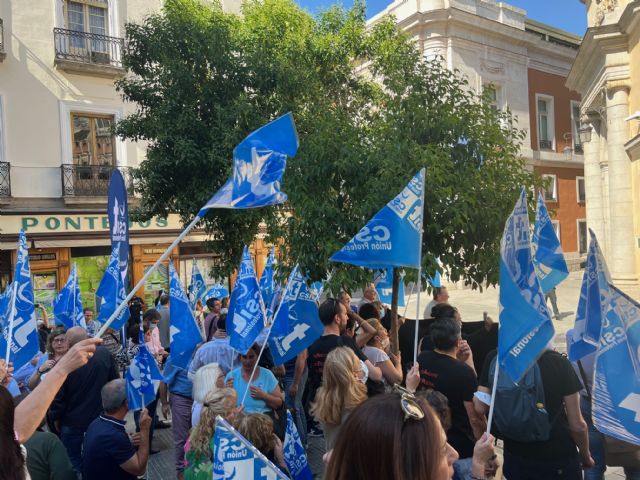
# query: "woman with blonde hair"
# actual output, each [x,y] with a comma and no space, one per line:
[204,381]
[199,447]
[258,429]
[341,391]
[378,352]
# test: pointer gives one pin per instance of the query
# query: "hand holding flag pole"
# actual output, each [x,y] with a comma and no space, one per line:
[259,163]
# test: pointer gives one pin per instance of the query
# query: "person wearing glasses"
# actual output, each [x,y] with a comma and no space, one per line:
[406,441]
[57,346]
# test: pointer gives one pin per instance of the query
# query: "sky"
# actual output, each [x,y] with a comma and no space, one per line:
[569,15]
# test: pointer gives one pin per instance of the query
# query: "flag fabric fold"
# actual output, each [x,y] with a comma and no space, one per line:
[392,237]
[525,322]
[548,259]
[246,316]
[383,281]
[184,331]
[296,324]
[197,286]
[267,283]
[142,378]
[67,306]
[216,291]
[234,457]
[112,293]
[24,344]
[294,453]
[259,162]
[7,312]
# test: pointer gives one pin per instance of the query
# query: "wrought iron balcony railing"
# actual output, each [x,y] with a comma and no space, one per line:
[5,179]
[545,144]
[88,48]
[92,180]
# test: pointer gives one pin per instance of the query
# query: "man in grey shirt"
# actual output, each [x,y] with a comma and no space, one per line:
[164,327]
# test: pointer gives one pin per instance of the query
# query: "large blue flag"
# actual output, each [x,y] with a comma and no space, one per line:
[525,322]
[267,283]
[118,213]
[616,385]
[296,324]
[25,329]
[185,334]
[7,313]
[142,378]
[67,306]
[111,292]
[245,319]
[217,291]
[392,237]
[258,164]
[584,337]
[383,281]
[548,259]
[294,454]
[234,457]
[197,286]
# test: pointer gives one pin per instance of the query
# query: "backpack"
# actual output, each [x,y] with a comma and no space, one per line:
[519,409]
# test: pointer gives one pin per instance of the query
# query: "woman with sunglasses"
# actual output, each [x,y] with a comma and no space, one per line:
[341,391]
[405,442]
[264,392]
[57,346]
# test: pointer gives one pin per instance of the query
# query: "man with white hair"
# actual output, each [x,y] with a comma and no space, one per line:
[108,451]
[369,295]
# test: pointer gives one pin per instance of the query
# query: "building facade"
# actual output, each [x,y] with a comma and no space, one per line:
[58,103]
[606,73]
[527,63]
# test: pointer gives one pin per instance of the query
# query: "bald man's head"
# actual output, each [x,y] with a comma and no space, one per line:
[75,335]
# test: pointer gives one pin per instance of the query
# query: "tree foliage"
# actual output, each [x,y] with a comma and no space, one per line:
[370,112]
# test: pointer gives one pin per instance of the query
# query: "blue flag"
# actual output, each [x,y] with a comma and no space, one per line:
[525,322]
[296,324]
[245,319]
[25,329]
[267,283]
[67,306]
[584,337]
[118,213]
[7,312]
[616,385]
[383,281]
[197,286]
[217,291]
[142,378]
[258,164]
[392,237]
[548,258]
[294,454]
[234,457]
[185,334]
[112,294]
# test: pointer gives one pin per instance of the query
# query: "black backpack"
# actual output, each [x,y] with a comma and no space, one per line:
[519,411]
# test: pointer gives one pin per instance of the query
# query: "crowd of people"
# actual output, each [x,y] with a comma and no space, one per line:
[362,410]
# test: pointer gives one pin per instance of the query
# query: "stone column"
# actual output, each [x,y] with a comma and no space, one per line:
[621,256]
[593,179]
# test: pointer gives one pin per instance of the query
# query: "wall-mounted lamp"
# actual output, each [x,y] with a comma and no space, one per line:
[585,133]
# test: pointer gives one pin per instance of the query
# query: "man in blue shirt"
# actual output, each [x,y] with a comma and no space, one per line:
[217,351]
[108,452]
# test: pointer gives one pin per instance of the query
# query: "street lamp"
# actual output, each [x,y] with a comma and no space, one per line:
[585,133]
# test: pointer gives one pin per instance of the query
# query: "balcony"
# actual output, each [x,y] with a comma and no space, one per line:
[5,180]
[3,54]
[91,180]
[88,53]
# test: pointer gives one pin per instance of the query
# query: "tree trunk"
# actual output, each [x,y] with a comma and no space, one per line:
[394,311]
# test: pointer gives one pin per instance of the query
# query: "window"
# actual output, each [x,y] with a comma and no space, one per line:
[556,227]
[550,188]
[546,132]
[580,194]
[575,126]
[87,16]
[93,140]
[494,92]
[582,237]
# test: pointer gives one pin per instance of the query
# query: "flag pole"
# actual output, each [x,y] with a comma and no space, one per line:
[415,340]
[147,274]
[11,319]
[413,286]
[321,290]
[493,396]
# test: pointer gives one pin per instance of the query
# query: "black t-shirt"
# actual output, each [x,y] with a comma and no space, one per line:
[458,382]
[406,338]
[559,380]
[319,350]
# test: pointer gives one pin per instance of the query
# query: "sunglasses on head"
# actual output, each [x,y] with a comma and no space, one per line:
[410,406]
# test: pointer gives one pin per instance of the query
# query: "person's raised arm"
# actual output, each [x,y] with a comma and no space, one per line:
[392,369]
[137,464]
[375,373]
[368,331]
[30,412]
[45,316]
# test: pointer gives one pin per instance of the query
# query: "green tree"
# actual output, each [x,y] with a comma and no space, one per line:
[369,112]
